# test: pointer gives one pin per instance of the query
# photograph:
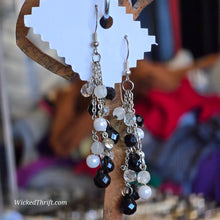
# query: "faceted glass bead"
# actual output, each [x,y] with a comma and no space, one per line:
[100,91]
[135,195]
[112,133]
[107,164]
[134,162]
[139,120]
[130,140]
[128,205]
[140,133]
[105,111]
[97,148]
[102,179]
[109,143]
[110,93]
[119,113]
[130,176]
[87,89]
[90,110]
[130,119]
[143,177]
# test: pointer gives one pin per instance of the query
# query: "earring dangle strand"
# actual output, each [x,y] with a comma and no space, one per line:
[135,175]
[104,136]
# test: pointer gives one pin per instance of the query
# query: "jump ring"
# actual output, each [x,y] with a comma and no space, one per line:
[129,82]
[127,190]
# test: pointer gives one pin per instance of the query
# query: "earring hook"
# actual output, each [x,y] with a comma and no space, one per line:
[128,49]
[107,7]
[127,69]
[96,14]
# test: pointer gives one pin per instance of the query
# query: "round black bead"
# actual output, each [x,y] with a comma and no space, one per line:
[130,140]
[128,205]
[107,164]
[139,120]
[102,179]
[110,93]
[134,162]
[90,109]
[135,194]
[112,133]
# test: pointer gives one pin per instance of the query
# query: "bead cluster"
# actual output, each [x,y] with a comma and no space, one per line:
[135,175]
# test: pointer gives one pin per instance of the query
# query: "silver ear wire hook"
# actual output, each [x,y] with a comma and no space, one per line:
[107,7]
[96,25]
[127,69]
[128,53]
[96,14]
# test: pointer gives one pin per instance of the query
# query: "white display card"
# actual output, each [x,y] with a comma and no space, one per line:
[68,26]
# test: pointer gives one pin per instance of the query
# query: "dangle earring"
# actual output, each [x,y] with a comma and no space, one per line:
[103,135]
[135,175]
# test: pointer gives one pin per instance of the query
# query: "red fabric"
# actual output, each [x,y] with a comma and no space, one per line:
[171,188]
[82,168]
[162,111]
[175,18]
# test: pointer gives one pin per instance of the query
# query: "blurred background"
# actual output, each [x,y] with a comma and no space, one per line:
[42,151]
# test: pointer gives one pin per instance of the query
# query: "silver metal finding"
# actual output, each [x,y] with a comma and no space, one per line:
[128,49]
[97,17]
[127,69]
[107,7]
[127,190]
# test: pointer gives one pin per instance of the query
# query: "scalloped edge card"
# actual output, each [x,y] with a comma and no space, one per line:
[68,26]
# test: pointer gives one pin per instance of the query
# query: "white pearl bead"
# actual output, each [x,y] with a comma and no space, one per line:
[143,177]
[140,133]
[119,113]
[97,148]
[144,192]
[93,161]
[100,91]
[100,124]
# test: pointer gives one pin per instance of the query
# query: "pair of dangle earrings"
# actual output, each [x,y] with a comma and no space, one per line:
[104,136]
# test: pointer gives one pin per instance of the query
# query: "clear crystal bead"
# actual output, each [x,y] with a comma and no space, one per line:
[109,143]
[130,176]
[130,119]
[97,148]
[106,111]
[143,177]
[87,89]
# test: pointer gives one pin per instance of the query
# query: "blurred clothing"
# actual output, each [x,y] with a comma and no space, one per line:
[162,110]
[179,158]
[207,180]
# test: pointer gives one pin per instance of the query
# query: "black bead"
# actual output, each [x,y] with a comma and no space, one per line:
[90,109]
[135,194]
[102,179]
[134,162]
[139,120]
[110,93]
[130,140]
[113,134]
[107,164]
[128,205]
